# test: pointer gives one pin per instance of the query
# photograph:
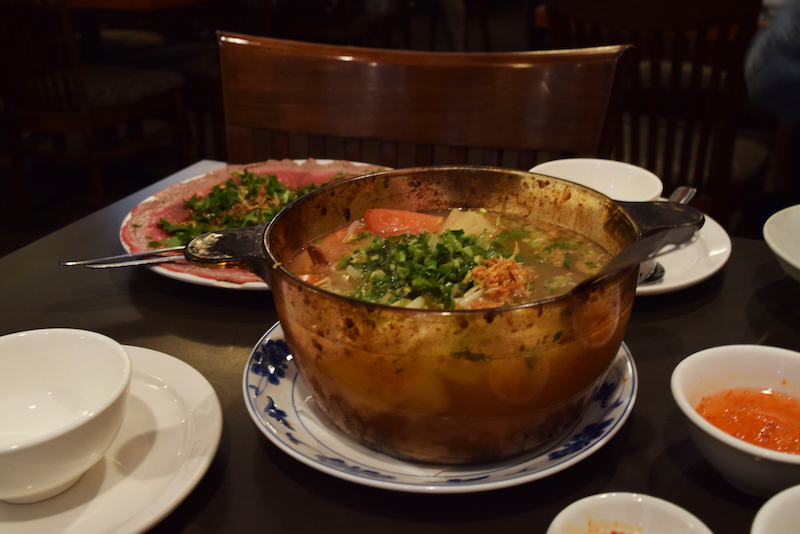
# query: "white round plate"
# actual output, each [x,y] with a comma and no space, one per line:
[198,280]
[281,406]
[167,441]
[693,263]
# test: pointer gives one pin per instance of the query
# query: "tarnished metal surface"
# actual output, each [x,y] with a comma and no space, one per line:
[455,386]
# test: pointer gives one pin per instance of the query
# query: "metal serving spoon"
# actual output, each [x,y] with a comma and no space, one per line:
[148,257]
[682,195]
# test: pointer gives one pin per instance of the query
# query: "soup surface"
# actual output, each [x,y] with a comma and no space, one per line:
[458,259]
[766,418]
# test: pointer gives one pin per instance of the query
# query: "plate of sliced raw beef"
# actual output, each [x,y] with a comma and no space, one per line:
[234,196]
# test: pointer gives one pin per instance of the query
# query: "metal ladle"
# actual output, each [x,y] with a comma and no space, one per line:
[682,195]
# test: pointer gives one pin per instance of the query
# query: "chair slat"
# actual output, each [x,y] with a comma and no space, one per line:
[526,159]
[316,146]
[388,154]
[242,139]
[458,155]
[491,158]
[424,155]
[353,149]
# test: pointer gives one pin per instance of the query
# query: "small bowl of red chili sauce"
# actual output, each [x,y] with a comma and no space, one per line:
[742,404]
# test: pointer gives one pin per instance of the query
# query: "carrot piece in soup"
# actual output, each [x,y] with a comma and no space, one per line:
[311,278]
[385,222]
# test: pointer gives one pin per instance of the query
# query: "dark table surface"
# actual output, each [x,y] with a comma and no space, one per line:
[252,486]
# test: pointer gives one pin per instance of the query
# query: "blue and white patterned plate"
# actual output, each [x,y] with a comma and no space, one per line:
[281,406]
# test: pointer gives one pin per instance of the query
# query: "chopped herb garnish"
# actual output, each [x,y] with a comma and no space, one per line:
[555,283]
[251,200]
[429,265]
[566,244]
[516,234]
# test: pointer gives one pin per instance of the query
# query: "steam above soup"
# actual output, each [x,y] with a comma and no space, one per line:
[458,259]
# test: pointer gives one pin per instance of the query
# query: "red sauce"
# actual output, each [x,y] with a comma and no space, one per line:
[766,418]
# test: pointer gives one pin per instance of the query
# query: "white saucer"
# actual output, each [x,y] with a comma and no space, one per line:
[167,441]
[282,408]
[694,263]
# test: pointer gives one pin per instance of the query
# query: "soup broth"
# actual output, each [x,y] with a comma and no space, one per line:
[458,259]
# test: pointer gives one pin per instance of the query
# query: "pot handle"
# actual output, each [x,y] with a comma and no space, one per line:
[234,246]
[654,217]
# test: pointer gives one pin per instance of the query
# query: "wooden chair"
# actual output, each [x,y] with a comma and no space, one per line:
[65,111]
[687,87]
[402,108]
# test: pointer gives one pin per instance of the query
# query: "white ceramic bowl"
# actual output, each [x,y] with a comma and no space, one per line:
[780,514]
[625,512]
[62,400]
[755,470]
[780,233]
[615,179]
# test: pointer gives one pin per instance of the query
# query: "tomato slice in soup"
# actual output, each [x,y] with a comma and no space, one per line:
[385,222]
[311,278]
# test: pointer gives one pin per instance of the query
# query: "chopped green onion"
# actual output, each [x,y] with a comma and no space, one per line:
[430,265]
[252,200]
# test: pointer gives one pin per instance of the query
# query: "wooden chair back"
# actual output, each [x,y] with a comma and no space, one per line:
[687,84]
[44,91]
[401,108]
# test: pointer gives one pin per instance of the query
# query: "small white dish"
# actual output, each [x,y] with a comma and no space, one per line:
[693,263]
[780,234]
[631,513]
[780,514]
[615,179]
[281,407]
[752,469]
[63,393]
[167,441]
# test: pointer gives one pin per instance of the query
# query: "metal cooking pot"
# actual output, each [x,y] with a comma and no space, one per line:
[450,386]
